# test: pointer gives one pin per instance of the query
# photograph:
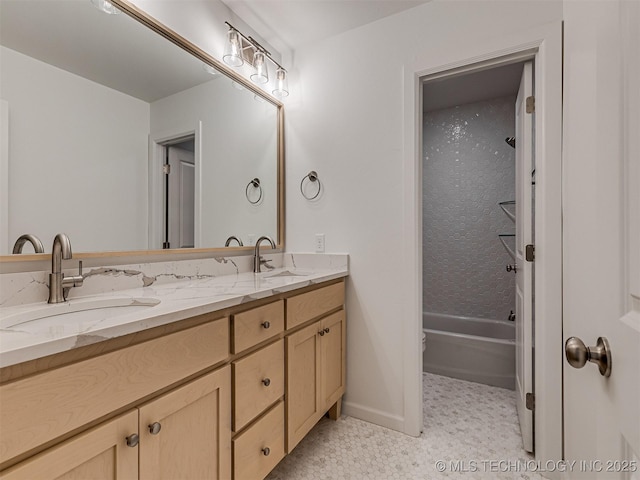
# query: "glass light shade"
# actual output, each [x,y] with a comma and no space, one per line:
[209,69]
[105,6]
[233,49]
[261,74]
[282,85]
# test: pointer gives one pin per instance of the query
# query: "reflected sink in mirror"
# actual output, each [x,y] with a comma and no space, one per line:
[82,309]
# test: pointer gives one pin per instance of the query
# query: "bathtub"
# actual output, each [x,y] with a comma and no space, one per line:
[474,349]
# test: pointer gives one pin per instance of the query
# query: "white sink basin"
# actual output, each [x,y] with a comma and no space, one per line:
[82,309]
[287,273]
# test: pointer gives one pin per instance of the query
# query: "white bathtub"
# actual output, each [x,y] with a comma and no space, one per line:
[474,349]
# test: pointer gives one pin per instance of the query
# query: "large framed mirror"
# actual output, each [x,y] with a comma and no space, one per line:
[128,138]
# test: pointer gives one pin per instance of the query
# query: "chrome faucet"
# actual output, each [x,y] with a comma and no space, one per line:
[59,285]
[27,237]
[231,239]
[256,259]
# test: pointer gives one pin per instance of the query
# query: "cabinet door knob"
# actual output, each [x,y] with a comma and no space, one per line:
[133,440]
[154,428]
[326,330]
[266,382]
[321,333]
[266,325]
[266,451]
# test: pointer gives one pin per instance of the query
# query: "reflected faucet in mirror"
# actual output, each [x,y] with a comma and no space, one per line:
[27,237]
[257,260]
[59,285]
[231,239]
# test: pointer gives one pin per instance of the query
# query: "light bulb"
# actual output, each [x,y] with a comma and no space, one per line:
[262,74]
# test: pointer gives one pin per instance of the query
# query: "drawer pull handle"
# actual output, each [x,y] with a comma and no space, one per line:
[266,382]
[154,428]
[321,333]
[133,440]
[266,451]
[326,330]
[265,325]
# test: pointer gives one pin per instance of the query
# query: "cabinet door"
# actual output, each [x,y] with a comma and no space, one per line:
[99,454]
[332,359]
[303,383]
[186,434]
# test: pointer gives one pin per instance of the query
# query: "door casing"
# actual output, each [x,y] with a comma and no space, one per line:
[544,46]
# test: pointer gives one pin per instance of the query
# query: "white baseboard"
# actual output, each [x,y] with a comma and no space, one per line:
[372,415]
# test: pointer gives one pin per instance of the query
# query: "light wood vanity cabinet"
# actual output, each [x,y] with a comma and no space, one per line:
[209,401]
[186,433]
[315,375]
[99,453]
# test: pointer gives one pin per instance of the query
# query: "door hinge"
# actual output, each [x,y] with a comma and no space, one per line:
[530,401]
[531,104]
[530,253]
[166,169]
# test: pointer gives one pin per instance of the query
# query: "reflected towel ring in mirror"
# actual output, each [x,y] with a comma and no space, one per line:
[313,177]
[256,184]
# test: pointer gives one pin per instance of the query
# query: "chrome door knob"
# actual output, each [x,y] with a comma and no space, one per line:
[578,354]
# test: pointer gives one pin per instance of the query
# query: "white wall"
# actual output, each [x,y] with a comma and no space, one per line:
[107,159]
[345,119]
[237,145]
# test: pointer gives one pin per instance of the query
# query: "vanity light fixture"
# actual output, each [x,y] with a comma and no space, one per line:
[233,49]
[240,49]
[105,6]
[282,85]
[261,75]
[209,69]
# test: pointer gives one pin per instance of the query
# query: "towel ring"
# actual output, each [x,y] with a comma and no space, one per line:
[256,184]
[313,177]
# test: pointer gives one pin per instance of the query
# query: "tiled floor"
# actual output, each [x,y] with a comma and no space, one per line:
[470,427]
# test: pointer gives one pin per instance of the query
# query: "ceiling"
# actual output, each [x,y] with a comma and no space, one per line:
[472,87]
[287,24]
[113,50]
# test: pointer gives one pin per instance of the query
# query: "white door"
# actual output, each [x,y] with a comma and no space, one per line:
[181,197]
[524,237]
[601,230]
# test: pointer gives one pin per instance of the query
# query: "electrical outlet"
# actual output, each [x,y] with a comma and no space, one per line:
[252,238]
[319,242]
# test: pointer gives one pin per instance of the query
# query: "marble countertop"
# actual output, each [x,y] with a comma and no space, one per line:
[179,300]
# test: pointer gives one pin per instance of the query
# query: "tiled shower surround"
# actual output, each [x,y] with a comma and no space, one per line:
[467,169]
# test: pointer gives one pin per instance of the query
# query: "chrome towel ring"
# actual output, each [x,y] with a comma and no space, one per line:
[256,184]
[313,177]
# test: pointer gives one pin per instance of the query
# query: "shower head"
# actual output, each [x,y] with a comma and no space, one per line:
[511,141]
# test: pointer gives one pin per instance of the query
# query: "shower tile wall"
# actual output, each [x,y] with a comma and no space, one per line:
[468,169]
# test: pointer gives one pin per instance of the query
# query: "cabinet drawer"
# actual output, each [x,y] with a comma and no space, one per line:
[306,306]
[257,450]
[257,325]
[40,408]
[258,381]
